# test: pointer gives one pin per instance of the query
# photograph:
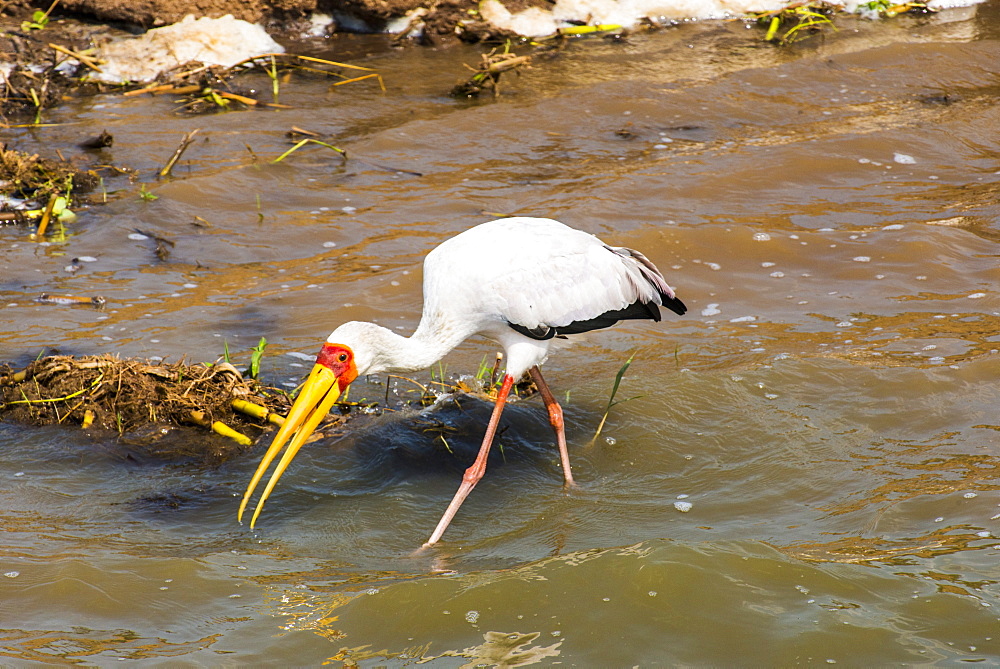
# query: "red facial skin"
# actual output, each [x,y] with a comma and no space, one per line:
[339,359]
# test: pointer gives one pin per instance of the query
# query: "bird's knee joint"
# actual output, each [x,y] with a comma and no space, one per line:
[471,476]
[556,415]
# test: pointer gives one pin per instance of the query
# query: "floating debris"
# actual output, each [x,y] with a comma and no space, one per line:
[178,152]
[867,550]
[31,177]
[806,17]
[310,138]
[102,141]
[487,76]
[214,88]
[163,245]
[146,400]
[48,298]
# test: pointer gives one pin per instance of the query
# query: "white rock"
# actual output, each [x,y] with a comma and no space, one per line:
[224,41]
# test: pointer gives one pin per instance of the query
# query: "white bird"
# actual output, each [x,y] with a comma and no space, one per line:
[518,281]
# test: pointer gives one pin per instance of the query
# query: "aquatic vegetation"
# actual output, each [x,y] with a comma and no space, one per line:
[145,195]
[29,176]
[798,21]
[45,186]
[39,20]
[614,391]
[310,140]
[886,9]
[256,355]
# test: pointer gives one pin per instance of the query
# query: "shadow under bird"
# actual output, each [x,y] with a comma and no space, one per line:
[542,280]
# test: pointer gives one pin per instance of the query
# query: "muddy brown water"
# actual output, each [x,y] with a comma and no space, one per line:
[828,407]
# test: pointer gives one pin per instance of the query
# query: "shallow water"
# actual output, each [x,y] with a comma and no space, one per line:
[828,406]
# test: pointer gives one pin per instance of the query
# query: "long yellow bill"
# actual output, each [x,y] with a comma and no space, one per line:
[318,394]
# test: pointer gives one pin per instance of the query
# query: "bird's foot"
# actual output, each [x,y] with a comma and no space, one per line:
[439,564]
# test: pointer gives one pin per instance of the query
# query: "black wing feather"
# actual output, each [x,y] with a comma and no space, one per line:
[635,311]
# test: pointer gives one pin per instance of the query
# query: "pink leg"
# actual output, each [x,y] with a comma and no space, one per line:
[556,419]
[478,468]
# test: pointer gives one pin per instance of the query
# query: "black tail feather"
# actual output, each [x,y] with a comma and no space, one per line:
[674,304]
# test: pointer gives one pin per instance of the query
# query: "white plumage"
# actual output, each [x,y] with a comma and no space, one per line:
[519,281]
[529,272]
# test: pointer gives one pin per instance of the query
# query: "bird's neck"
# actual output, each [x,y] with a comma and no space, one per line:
[428,344]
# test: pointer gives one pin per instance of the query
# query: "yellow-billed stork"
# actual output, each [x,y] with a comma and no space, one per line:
[518,281]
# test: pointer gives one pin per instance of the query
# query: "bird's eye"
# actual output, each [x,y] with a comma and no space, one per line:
[342,357]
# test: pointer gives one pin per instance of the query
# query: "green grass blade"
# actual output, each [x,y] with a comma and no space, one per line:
[258,353]
[614,391]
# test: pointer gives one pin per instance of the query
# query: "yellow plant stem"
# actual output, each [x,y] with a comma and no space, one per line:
[220,428]
[258,412]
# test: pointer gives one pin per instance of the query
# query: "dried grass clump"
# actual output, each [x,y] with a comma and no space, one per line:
[144,401]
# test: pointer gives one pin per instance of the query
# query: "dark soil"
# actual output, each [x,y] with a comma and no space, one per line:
[441,17]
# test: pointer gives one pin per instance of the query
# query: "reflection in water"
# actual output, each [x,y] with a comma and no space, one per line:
[912,470]
[506,650]
[83,646]
[500,649]
[867,550]
[316,601]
